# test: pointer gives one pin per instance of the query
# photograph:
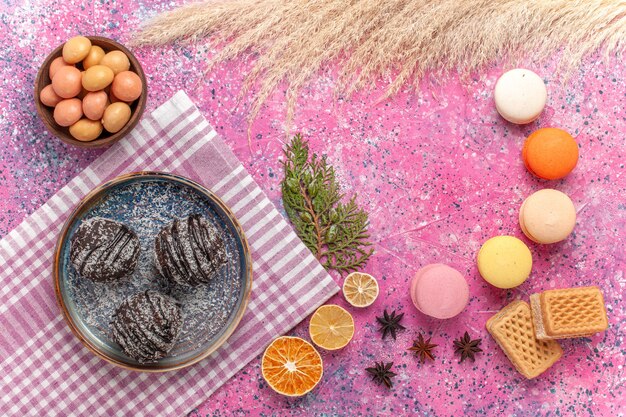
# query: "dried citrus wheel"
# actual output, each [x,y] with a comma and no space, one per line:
[331,327]
[360,289]
[291,366]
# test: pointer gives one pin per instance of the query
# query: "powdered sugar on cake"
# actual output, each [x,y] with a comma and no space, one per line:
[146,208]
[146,325]
[104,250]
[189,251]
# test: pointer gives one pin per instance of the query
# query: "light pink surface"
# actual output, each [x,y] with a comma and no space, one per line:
[439,171]
[439,291]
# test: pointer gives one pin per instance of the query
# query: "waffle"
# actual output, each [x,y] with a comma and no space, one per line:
[568,312]
[512,328]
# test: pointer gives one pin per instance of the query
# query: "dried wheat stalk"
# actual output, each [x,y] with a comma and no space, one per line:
[294,39]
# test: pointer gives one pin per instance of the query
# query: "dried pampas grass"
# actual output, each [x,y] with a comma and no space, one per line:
[295,39]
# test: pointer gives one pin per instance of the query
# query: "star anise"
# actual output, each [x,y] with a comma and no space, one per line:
[390,323]
[423,348]
[467,347]
[381,373]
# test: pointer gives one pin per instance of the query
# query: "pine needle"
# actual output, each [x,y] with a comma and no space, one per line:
[335,232]
[370,39]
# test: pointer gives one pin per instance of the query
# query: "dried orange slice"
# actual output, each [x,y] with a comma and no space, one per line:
[331,327]
[360,289]
[291,366]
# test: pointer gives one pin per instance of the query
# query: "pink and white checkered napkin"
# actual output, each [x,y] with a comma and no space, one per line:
[47,371]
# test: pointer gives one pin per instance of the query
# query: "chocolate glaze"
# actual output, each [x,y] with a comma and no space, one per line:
[104,250]
[189,251]
[146,325]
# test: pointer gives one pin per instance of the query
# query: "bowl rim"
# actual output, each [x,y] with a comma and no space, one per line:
[99,142]
[93,197]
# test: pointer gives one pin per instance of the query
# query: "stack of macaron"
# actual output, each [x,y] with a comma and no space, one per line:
[548,215]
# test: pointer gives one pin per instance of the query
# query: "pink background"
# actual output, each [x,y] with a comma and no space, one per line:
[439,171]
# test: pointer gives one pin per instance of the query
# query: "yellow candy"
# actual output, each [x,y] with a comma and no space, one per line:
[97,78]
[93,57]
[86,130]
[504,261]
[76,49]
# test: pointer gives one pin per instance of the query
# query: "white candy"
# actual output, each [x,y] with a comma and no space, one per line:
[520,96]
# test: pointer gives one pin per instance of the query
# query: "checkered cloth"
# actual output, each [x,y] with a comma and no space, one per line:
[47,371]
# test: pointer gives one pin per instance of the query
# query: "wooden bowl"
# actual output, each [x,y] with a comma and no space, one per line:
[106,138]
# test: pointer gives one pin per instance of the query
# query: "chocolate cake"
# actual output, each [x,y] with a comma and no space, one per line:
[104,250]
[146,325]
[189,251]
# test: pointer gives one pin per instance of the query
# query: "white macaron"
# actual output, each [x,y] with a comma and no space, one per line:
[520,96]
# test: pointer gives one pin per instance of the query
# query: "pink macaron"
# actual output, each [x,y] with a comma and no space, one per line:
[439,291]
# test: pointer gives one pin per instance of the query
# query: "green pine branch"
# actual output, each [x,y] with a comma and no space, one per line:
[335,232]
